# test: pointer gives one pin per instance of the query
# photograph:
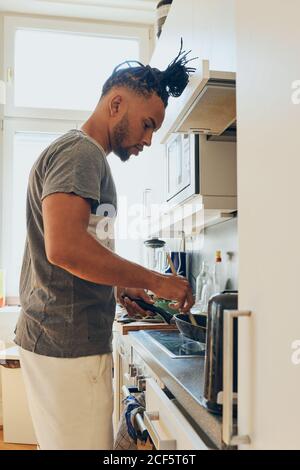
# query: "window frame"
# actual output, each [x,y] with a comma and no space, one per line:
[12,23]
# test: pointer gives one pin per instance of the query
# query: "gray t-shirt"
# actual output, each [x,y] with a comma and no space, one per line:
[63,315]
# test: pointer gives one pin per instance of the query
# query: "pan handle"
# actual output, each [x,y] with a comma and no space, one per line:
[168,317]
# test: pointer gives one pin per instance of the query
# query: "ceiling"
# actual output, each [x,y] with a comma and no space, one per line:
[133,11]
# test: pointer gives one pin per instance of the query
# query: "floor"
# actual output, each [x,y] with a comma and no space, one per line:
[5,446]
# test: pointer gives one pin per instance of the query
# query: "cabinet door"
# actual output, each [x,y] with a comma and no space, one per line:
[167,427]
[269,194]
[178,25]
[214,33]
[122,356]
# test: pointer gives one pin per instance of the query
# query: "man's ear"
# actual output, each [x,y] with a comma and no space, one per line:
[115,105]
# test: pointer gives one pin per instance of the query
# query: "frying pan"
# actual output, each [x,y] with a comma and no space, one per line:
[195,332]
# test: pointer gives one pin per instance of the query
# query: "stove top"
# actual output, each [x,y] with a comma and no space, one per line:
[176,344]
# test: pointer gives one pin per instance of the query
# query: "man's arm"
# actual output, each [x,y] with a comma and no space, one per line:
[69,246]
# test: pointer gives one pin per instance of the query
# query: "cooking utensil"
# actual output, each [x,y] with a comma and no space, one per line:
[168,317]
[190,315]
[196,332]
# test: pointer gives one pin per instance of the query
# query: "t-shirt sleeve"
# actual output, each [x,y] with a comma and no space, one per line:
[78,169]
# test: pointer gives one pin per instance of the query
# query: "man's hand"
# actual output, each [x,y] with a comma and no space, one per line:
[175,288]
[132,307]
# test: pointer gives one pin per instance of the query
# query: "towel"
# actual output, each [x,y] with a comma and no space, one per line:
[128,432]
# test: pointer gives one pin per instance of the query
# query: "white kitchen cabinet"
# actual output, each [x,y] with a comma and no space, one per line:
[168,428]
[208,29]
[17,423]
[268,116]
[214,32]
[122,373]
[268,120]
[8,319]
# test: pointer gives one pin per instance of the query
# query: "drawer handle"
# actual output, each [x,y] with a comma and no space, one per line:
[121,350]
[127,377]
[159,444]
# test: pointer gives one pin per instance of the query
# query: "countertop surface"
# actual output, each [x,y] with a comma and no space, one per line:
[184,377]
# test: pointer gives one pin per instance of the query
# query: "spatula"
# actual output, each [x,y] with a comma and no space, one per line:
[190,315]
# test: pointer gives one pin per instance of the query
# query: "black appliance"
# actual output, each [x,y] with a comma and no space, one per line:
[213,370]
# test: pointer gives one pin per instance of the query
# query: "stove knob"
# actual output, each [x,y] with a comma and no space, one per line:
[141,383]
[132,370]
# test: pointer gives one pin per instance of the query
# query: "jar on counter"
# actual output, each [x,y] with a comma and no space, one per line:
[162,10]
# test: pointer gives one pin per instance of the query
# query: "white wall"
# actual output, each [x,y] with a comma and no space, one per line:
[268,38]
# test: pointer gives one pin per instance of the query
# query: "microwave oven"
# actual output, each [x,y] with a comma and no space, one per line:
[182,170]
[197,164]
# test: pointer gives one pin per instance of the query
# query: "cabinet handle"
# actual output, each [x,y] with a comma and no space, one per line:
[120,348]
[159,444]
[133,372]
[127,377]
[227,428]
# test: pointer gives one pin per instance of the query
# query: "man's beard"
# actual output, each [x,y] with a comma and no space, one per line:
[120,133]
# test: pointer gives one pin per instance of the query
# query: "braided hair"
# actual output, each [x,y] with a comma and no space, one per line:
[144,79]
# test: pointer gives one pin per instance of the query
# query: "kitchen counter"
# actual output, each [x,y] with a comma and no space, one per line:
[184,377]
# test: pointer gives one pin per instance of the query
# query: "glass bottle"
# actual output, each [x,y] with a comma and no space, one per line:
[203,289]
[217,273]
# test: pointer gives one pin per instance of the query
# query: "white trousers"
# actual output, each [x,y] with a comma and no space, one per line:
[70,400]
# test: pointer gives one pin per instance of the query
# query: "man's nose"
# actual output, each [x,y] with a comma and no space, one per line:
[147,139]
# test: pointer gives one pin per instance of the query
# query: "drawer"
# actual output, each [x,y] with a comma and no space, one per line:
[168,428]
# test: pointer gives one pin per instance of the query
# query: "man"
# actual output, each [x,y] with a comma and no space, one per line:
[69,271]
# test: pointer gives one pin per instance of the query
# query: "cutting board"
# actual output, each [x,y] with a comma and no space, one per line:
[139,325]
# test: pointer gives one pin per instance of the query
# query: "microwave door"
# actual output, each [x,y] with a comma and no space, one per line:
[177,166]
[186,161]
[174,167]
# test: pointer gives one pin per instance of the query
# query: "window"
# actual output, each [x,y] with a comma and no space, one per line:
[65,71]
[55,71]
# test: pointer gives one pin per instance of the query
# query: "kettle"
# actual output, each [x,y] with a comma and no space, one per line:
[213,368]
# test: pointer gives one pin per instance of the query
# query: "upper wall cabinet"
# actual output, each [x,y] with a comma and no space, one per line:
[210,107]
[207,105]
